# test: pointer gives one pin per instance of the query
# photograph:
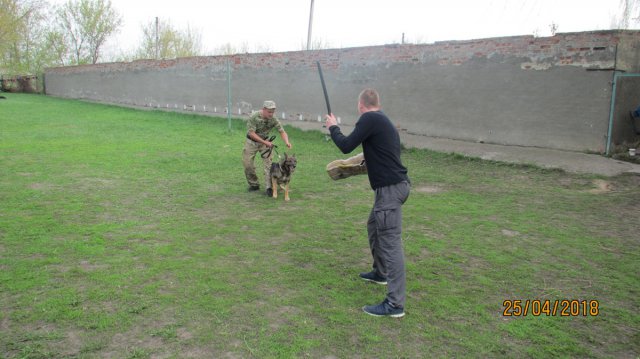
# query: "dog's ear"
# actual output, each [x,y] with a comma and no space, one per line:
[285,156]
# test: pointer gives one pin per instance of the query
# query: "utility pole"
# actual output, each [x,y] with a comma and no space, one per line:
[157,49]
[310,26]
[229,93]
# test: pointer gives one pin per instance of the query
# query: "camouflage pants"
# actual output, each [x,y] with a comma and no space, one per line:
[251,149]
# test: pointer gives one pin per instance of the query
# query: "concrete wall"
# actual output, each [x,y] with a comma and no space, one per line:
[628,85]
[627,93]
[552,92]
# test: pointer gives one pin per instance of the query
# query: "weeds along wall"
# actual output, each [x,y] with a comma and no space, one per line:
[552,92]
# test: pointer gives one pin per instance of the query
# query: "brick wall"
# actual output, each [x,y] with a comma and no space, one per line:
[550,92]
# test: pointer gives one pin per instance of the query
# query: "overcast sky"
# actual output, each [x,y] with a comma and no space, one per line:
[282,25]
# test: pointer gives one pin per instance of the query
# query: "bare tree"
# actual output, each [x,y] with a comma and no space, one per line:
[86,25]
[226,49]
[243,48]
[629,15]
[316,44]
[171,43]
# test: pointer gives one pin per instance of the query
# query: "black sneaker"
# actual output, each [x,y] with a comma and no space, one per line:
[269,192]
[374,277]
[384,309]
[253,188]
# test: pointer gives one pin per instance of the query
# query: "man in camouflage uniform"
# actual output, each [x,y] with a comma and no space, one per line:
[258,127]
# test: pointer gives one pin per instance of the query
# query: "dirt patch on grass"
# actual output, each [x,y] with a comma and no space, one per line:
[89,267]
[184,334]
[510,233]
[93,182]
[428,189]
[601,186]
[281,316]
[4,325]
[37,186]
[131,343]
[73,343]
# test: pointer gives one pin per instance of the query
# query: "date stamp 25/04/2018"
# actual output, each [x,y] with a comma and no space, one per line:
[550,307]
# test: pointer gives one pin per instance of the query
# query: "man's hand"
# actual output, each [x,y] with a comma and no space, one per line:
[330,120]
[285,138]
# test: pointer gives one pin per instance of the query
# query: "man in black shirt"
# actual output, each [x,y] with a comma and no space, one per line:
[388,178]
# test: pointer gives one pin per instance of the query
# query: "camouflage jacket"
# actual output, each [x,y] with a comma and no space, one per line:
[262,126]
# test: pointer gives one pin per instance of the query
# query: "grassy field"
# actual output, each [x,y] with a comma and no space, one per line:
[131,234]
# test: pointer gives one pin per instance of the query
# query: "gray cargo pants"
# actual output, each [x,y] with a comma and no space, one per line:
[384,228]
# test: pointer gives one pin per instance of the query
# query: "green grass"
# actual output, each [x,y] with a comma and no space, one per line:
[130,234]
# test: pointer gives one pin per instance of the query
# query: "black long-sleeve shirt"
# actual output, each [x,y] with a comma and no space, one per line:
[381,146]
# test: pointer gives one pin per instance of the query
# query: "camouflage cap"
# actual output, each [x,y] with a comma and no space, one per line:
[269,105]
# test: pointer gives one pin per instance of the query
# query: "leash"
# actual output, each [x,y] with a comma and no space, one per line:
[266,153]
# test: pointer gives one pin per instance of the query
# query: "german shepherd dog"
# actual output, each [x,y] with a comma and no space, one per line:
[280,174]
